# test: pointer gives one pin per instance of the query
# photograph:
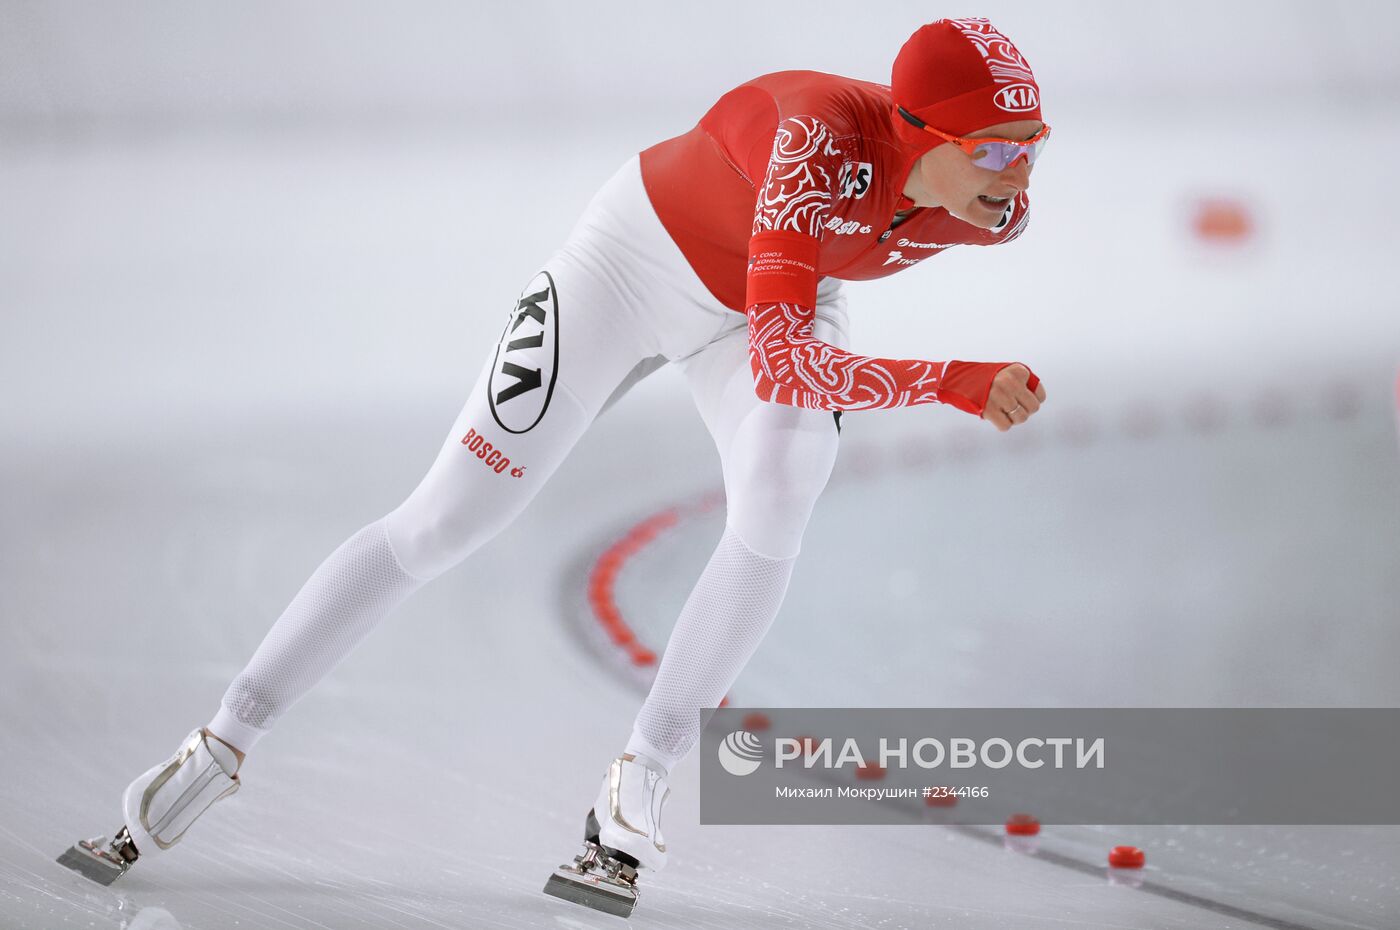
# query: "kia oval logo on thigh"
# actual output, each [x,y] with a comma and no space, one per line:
[527,358]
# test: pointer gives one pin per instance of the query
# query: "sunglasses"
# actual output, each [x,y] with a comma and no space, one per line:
[992,154]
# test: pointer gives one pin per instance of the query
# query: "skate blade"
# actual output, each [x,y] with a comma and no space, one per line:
[595,891]
[91,862]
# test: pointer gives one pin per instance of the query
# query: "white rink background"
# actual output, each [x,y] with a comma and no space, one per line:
[249,266]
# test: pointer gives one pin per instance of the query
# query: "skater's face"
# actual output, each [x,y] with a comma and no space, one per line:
[946,177]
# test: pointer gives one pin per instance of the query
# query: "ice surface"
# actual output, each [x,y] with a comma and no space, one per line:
[218,363]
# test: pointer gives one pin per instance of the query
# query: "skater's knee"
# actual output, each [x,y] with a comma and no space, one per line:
[429,542]
[773,488]
[457,507]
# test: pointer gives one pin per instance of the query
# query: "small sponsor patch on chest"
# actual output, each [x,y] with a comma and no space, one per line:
[854,179]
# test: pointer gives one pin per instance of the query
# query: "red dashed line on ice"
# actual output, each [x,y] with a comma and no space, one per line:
[602,578]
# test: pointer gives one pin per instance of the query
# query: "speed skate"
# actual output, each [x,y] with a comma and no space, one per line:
[626,840]
[159,807]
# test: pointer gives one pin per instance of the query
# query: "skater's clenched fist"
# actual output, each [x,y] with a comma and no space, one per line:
[1012,401]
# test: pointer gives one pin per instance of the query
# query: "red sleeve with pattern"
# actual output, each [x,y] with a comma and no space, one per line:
[791,366]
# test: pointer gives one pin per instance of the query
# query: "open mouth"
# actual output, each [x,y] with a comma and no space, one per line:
[994,203]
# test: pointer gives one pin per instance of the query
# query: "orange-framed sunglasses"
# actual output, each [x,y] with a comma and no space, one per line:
[992,154]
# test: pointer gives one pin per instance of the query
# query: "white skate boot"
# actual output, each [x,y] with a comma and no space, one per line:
[621,835]
[159,807]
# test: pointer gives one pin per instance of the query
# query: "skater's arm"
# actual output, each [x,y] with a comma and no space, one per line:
[790,365]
